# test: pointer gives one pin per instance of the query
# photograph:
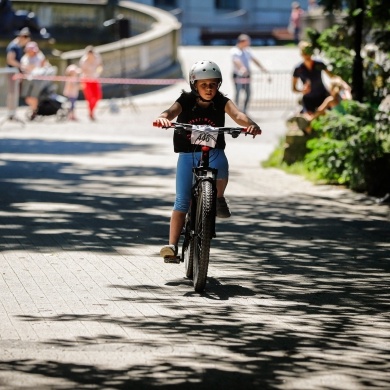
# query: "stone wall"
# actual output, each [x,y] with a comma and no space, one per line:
[150,52]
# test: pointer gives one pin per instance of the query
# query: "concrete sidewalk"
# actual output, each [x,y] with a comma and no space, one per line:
[297,295]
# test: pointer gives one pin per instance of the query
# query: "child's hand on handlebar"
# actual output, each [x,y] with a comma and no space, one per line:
[254,130]
[162,122]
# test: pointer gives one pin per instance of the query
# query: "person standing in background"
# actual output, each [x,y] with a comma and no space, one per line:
[72,88]
[312,6]
[242,56]
[91,68]
[295,24]
[14,53]
[33,63]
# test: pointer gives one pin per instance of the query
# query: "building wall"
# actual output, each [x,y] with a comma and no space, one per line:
[263,15]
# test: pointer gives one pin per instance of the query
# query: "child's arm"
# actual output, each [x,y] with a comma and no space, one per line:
[166,116]
[242,119]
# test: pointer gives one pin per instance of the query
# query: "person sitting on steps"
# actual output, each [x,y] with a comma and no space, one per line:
[309,72]
[339,91]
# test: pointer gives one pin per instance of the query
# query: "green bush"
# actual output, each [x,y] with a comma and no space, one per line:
[352,145]
[348,145]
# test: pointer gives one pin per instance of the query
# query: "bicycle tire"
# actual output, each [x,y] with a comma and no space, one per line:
[188,248]
[205,212]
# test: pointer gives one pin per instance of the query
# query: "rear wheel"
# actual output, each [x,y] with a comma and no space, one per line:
[62,115]
[203,234]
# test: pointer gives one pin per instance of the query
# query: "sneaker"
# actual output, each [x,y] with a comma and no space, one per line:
[222,208]
[168,251]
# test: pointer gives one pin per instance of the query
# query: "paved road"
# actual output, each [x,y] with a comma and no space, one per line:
[298,291]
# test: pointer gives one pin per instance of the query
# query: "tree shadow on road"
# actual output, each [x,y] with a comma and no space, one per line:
[297,295]
[80,204]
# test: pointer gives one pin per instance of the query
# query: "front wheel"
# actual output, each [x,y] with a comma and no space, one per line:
[188,247]
[205,215]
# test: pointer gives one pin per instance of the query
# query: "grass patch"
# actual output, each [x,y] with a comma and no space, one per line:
[275,160]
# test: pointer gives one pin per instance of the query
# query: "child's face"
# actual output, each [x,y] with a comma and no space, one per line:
[207,88]
[30,52]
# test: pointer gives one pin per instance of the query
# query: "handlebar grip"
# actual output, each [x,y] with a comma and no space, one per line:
[157,124]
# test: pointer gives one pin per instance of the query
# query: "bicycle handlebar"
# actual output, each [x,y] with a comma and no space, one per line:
[233,131]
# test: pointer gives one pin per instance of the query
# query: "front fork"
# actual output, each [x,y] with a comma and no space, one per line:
[203,174]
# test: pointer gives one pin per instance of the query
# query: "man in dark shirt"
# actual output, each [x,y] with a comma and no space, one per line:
[14,53]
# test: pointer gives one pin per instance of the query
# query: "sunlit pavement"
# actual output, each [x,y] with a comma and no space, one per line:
[297,295]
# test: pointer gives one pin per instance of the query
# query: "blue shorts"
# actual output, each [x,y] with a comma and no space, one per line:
[185,163]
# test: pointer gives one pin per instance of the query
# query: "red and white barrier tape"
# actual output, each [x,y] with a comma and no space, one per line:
[103,80]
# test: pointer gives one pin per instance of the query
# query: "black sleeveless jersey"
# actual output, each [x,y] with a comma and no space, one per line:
[213,115]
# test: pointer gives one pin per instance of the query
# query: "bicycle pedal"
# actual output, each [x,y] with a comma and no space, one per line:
[172,259]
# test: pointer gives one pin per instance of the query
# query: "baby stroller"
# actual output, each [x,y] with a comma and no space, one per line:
[50,103]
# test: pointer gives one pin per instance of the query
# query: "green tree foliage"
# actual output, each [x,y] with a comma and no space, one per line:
[376,18]
[351,146]
[365,21]
[335,44]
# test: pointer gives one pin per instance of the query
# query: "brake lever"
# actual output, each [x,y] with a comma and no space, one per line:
[235,133]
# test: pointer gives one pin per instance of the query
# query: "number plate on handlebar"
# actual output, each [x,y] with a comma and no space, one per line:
[202,135]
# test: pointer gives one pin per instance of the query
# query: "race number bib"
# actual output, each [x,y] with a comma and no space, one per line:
[203,135]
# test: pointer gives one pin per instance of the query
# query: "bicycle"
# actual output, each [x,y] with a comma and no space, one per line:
[199,227]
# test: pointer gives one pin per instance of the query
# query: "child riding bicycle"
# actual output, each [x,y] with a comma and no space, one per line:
[204,105]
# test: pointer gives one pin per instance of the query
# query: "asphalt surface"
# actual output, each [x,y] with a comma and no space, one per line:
[298,289]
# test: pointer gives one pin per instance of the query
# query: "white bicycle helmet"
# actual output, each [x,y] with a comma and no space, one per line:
[202,70]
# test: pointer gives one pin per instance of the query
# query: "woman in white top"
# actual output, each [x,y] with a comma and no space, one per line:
[33,63]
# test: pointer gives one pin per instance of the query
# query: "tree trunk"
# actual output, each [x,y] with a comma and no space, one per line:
[357,74]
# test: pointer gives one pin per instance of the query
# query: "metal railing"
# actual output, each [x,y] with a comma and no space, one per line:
[272,90]
[152,51]
[9,88]
[269,90]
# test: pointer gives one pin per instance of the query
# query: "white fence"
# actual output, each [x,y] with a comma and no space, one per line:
[273,90]
[9,89]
